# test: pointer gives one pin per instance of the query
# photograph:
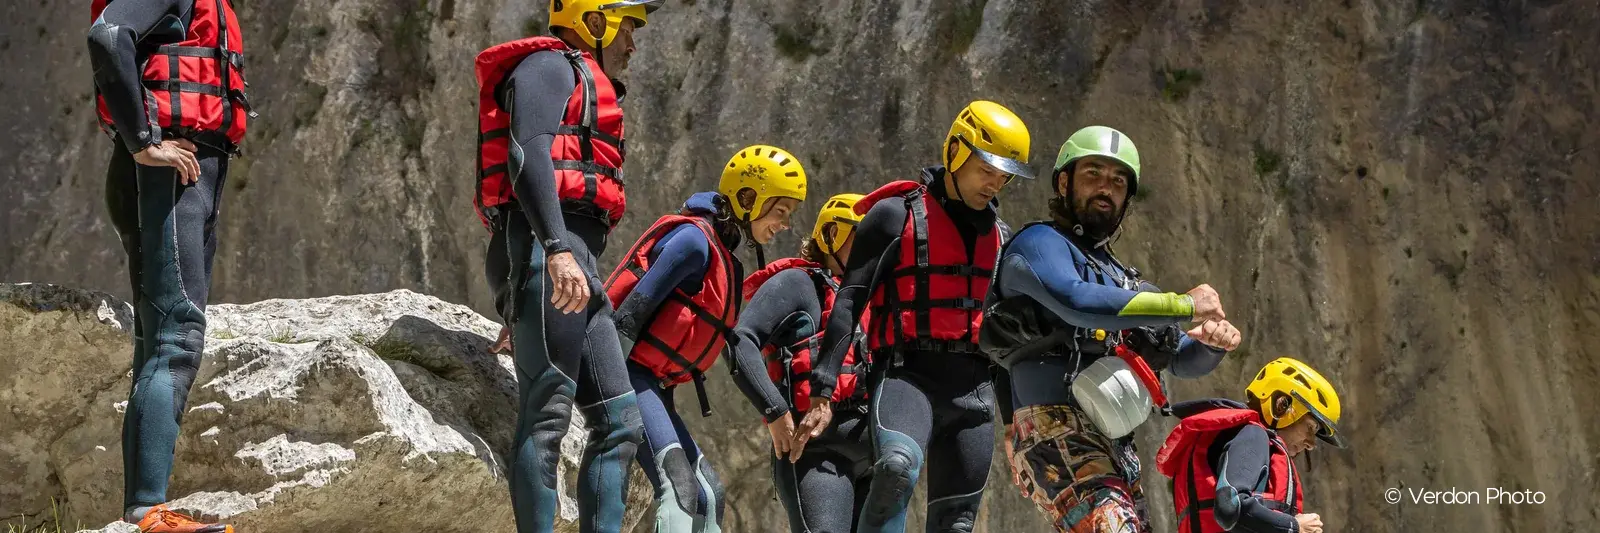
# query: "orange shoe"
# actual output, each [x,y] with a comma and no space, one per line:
[159,519]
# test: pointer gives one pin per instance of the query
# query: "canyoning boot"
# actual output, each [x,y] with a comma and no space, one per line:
[159,519]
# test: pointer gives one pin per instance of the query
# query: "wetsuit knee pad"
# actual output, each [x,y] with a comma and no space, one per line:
[187,335]
[955,513]
[898,466]
[894,477]
[679,480]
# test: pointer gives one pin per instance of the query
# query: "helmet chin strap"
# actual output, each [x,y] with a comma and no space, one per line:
[749,235]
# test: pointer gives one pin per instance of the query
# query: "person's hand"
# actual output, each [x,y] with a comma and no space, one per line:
[816,420]
[503,344]
[1309,522]
[782,431]
[1207,304]
[1219,334]
[569,286]
[177,154]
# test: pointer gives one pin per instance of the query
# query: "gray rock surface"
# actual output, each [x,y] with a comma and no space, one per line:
[359,413]
[1401,193]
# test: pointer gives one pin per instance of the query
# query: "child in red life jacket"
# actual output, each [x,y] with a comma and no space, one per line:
[817,470]
[677,293]
[1232,464]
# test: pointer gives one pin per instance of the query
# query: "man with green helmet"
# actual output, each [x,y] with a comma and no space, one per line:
[1050,323]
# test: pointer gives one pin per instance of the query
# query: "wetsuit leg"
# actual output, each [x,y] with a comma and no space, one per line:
[1083,481]
[562,358]
[611,411]
[902,422]
[959,455]
[170,248]
[815,489]
[668,461]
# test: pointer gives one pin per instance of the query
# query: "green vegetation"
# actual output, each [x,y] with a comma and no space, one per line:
[1177,83]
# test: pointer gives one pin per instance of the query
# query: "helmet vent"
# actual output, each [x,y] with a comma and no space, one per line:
[1303,381]
[791,174]
[985,133]
[783,162]
[1289,371]
[1320,398]
[1261,374]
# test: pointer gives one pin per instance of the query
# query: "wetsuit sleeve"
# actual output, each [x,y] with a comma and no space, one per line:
[681,258]
[1057,286]
[536,94]
[1195,358]
[1244,462]
[113,53]
[769,318]
[877,237]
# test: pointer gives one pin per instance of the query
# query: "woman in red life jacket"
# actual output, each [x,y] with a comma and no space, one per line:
[550,189]
[782,326]
[1232,464]
[677,293]
[169,84]
[923,257]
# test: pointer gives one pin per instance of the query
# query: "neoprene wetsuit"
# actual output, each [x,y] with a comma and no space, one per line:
[833,473]
[1242,457]
[561,358]
[1042,293]
[167,233]
[688,492]
[936,406]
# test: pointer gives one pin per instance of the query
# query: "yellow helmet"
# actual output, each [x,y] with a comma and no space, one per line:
[770,171]
[569,14]
[993,132]
[840,209]
[1310,393]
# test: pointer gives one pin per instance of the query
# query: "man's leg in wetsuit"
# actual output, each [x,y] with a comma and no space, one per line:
[169,239]
[688,493]
[1049,441]
[902,422]
[551,361]
[959,456]
[606,399]
[816,488]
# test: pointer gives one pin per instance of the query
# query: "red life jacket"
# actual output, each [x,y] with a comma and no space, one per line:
[194,89]
[1194,484]
[792,364]
[687,332]
[932,300]
[587,150]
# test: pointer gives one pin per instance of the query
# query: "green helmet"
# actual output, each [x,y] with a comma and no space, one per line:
[1101,141]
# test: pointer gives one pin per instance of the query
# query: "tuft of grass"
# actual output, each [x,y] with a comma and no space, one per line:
[283,336]
[964,24]
[1267,160]
[1177,83]
[52,526]
[798,41]
[224,334]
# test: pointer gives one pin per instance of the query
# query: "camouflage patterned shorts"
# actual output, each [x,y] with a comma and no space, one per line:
[1085,482]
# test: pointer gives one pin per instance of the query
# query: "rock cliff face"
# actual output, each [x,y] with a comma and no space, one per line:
[1401,193]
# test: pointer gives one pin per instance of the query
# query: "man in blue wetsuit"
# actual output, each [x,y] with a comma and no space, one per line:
[1060,301]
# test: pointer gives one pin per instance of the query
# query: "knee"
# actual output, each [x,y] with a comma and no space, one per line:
[898,462]
[678,479]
